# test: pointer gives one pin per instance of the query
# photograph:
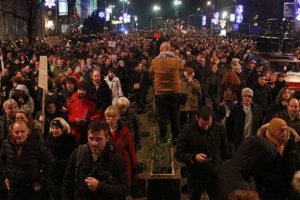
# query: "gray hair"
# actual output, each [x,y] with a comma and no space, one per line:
[122,102]
[9,102]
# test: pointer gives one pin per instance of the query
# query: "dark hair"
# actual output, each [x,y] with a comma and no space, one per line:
[204,112]
[97,126]
[83,85]
[240,194]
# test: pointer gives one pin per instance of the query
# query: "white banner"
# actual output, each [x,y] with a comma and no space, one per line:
[43,73]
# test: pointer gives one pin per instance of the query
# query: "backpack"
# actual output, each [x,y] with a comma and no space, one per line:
[80,151]
[228,95]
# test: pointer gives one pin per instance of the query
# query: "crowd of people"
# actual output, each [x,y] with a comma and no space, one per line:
[233,126]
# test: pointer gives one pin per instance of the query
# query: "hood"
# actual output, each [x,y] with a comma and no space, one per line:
[263,129]
[22,87]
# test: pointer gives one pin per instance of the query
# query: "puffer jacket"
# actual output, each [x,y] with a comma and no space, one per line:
[33,164]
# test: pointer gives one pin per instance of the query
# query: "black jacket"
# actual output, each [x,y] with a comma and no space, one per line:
[61,148]
[33,165]
[257,165]
[213,143]
[236,121]
[109,169]
[262,96]
[102,95]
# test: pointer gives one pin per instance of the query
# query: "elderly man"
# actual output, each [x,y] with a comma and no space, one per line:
[10,107]
[249,116]
[165,68]
[26,163]
[265,162]
[96,170]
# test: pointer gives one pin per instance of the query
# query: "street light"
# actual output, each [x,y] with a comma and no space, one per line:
[208,3]
[123,2]
[156,8]
[176,4]
[224,14]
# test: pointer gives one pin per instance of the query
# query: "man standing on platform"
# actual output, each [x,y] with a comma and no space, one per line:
[165,68]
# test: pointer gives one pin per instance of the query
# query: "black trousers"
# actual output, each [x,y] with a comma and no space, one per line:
[168,110]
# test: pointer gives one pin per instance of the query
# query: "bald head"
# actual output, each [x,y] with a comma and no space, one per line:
[293,107]
[165,46]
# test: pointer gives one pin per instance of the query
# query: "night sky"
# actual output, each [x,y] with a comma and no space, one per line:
[144,8]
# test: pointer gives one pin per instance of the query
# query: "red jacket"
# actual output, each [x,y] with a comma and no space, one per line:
[83,109]
[122,139]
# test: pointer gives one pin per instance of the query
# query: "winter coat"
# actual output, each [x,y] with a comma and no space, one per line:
[61,148]
[142,78]
[32,164]
[82,109]
[165,68]
[257,165]
[192,90]
[102,94]
[294,123]
[109,169]
[235,123]
[130,119]
[212,88]
[262,96]
[213,143]
[123,141]
[21,91]
[114,85]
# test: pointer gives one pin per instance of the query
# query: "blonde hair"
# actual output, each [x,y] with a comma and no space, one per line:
[122,102]
[112,111]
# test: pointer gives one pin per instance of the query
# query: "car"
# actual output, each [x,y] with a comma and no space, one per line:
[289,66]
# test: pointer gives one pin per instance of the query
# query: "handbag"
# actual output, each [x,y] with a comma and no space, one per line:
[137,86]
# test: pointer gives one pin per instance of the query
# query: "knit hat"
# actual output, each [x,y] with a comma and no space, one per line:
[61,123]
[247,92]
[275,124]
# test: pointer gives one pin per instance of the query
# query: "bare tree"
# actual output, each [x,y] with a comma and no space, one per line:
[32,7]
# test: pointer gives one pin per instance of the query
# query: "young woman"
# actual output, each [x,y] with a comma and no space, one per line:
[61,143]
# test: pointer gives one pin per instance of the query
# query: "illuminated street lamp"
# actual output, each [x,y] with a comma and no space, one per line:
[123,2]
[224,14]
[208,3]
[156,8]
[176,4]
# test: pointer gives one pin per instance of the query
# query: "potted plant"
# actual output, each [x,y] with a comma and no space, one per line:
[163,173]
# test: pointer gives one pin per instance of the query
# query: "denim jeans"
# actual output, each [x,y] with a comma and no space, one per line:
[168,110]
